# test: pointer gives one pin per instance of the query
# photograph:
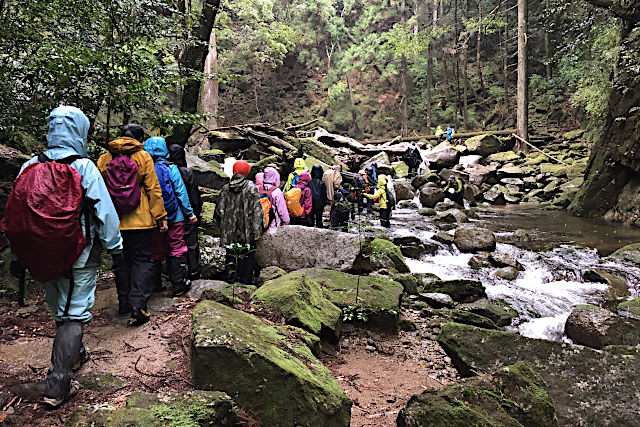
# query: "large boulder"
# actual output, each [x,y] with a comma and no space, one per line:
[383,164]
[302,304]
[630,253]
[382,254]
[264,368]
[473,239]
[452,216]
[483,145]
[597,327]
[494,196]
[404,190]
[630,309]
[378,300]
[443,156]
[461,290]
[500,312]
[588,387]
[501,259]
[431,195]
[498,399]
[412,246]
[295,247]
[210,408]
[208,174]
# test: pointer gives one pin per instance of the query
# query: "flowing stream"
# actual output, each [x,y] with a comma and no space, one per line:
[561,249]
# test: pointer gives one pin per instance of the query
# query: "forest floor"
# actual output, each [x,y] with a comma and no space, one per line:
[379,373]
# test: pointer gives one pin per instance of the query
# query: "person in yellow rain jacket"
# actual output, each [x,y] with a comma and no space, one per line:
[299,167]
[381,195]
[439,132]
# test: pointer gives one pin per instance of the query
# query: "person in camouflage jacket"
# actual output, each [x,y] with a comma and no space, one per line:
[239,216]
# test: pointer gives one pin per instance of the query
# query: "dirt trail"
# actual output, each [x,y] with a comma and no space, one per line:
[379,373]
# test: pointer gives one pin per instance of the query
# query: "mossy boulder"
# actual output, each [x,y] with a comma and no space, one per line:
[196,408]
[504,157]
[443,237]
[573,134]
[500,312]
[461,290]
[597,327]
[408,281]
[208,174]
[384,254]
[588,387]
[261,165]
[630,309]
[401,169]
[507,273]
[206,222]
[270,273]
[378,298]
[427,212]
[264,369]
[513,396]
[314,149]
[467,318]
[483,145]
[553,169]
[215,155]
[301,301]
[630,253]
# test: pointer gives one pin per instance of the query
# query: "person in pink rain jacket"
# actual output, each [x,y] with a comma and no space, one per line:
[305,200]
[271,183]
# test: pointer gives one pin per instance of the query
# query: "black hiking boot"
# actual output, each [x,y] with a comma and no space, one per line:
[124,308]
[54,402]
[139,317]
[181,288]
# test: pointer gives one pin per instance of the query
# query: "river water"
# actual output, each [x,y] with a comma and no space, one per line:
[561,249]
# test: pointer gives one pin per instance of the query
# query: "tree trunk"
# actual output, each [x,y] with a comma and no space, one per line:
[547,45]
[404,114]
[479,47]
[523,81]
[457,60]
[505,54]
[192,60]
[430,63]
[209,94]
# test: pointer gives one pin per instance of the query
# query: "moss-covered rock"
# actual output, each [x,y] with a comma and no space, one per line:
[99,381]
[504,157]
[212,256]
[588,387]
[215,155]
[314,149]
[483,145]
[630,253]
[401,169]
[385,254]
[630,309]
[427,212]
[507,273]
[270,273]
[192,409]
[513,396]
[261,165]
[467,318]
[206,222]
[408,281]
[301,301]
[500,312]
[573,134]
[263,368]
[597,327]
[553,169]
[208,174]
[461,290]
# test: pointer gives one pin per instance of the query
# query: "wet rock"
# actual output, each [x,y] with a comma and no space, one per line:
[215,155]
[494,196]
[630,253]
[472,192]
[443,237]
[410,246]
[617,287]
[485,402]
[630,309]
[382,254]
[301,301]
[461,290]
[208,174]
[430,195]
[404,190]
[522,235]
[588,387]
[322,248]
[500,313]
[597,327]
[479,261]
[483,145]
[503,157]
[427,212]
[437,300]
[408,204]
[443,156]
[507,273]
[407,325]
[382,161]
[467,318]
[263,368]
[473,239]
[408,282]
[420,180]
[452,216]
[211,408]
[501,259]
[213,257]
[270,273]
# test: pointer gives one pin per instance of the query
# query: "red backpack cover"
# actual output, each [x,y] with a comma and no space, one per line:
[42,218]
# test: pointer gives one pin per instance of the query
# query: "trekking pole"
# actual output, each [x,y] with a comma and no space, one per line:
[21,280]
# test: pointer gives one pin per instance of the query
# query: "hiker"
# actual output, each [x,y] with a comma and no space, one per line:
[343,206]
[332,178]
[299,201]
[239,217]
[170,246]
[439,133]
[177,155]
[271,185]
[382,195]
[318,196]
[299,167]
[450,133]
[131,179]
[64,255]
[391,196]
[370,181]
[412,158]
[455,190]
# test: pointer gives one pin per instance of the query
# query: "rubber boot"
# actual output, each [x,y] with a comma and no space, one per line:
[65,353]
[178,275]
[156,276]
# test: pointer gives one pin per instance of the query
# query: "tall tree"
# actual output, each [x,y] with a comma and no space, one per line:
[523,78]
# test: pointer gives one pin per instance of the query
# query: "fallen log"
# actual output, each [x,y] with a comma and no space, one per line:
[537,149]
[263,138]
[507,132]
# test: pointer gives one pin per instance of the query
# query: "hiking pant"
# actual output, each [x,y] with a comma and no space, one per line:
[194,262]
[458,198]
[64,354]
[300,221]
[170,243]
[240,268]
[315,217]
[82,296]
[385,215]
[133,274]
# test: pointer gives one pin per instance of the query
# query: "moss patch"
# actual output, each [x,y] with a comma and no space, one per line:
[100,381]
[629,253]
[385,254]
[630,309]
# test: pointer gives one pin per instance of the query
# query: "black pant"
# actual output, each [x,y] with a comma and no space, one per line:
[315,217]
[133,274]
[240,267]
[64,354]
[458,198]
[300,221]
[385,215]
[194,263]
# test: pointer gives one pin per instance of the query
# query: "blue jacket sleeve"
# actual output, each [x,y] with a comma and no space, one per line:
[180,191]
[105,213]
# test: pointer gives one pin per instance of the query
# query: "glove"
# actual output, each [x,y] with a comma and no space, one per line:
[15,269]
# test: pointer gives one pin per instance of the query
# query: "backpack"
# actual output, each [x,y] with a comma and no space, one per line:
[391,201]
[341,205]
[359,181]
[267,206]
[168,195]
[293,197]
[42,217]
[122,183]
[295,180]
